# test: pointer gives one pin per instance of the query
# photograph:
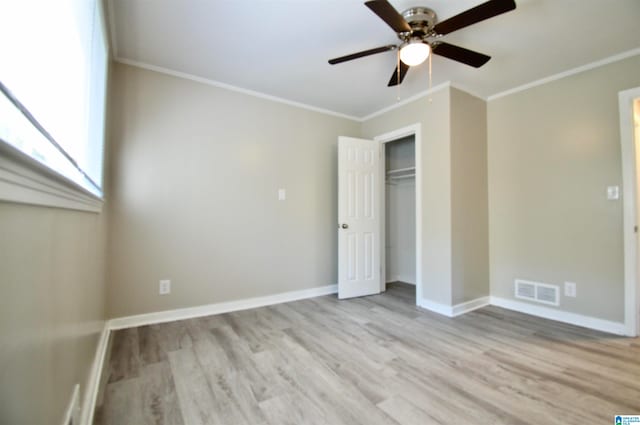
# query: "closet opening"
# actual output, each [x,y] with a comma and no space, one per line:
[399,232]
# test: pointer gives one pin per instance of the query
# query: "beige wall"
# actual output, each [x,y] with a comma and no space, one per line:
[552,151]
[51,309]
[433,113]
[469,209]
[197,169]
[194,194]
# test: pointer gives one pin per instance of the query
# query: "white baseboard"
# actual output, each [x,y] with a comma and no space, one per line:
[454,310]
[445,310]
[468,306]
[403,279]
[219,308]
[91,393]
[406,279]
[93,383]
[617,328]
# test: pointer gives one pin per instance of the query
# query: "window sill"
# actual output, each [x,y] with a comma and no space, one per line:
[24,180]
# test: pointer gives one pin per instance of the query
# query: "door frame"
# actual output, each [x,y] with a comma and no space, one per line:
[630,210]
[416,131]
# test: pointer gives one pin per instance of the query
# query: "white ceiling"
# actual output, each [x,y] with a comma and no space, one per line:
[281,47]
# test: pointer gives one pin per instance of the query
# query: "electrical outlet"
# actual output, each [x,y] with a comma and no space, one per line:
[165,287]
[570,289]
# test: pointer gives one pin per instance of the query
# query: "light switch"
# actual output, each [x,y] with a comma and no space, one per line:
[282,194]
[613,193]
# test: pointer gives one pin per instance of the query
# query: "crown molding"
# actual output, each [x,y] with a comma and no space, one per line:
[110,18]
[420,95]
[230,87]
[408,100]
[568,73]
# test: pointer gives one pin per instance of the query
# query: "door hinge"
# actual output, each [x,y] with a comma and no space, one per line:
[635,229]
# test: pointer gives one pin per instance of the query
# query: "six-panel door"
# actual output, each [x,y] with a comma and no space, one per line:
[358,217]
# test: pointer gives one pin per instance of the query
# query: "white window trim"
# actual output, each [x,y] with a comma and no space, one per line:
[26,181]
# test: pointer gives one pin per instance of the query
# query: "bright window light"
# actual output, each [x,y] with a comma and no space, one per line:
[53,64]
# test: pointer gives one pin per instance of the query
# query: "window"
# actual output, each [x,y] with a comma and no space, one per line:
[53,71]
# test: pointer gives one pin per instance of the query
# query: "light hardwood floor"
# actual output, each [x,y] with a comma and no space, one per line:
[372,360]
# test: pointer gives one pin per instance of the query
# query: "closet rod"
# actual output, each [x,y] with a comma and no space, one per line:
[401,170]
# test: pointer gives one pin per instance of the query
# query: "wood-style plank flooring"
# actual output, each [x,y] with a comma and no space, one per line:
[372,360]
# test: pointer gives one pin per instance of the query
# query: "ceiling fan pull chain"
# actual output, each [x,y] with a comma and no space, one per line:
[398,76]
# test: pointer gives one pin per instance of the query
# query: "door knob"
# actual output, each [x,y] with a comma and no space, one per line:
[345,226]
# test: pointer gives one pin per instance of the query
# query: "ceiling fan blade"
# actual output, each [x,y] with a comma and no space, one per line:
[389,14]
[395,79]
[460,54]
[476,14]
[362,54]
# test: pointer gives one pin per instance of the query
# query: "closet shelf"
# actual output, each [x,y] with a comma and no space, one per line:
[400,174]
[397,171]
[404,176]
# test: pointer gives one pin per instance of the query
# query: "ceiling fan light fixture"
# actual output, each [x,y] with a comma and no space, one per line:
[414,52]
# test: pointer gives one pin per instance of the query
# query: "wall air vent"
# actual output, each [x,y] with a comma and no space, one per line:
[526,290]
[537,292]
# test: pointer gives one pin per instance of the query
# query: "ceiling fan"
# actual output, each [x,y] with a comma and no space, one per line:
[419,32]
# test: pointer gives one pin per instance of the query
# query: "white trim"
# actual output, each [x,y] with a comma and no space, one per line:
[72,407]
[527,308]
[112,28]
[237,89]
[453,310]
[401,279]
[403,102]
[560,316]
[405,279]
[93,383]
[219,308]
[420,95]
[467,90]
[630,205]
[24,180]
[468,306]
[416,131]
[261,95]
[91,393]
[445,310]
[446,84]
[410,130]
[568,73]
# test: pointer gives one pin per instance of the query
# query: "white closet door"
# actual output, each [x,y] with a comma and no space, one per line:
[358,217]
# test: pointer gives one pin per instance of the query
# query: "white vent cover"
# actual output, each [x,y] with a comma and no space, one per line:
[526,290]
[537,291]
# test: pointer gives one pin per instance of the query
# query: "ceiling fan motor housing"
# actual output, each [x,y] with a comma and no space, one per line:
[421,20]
